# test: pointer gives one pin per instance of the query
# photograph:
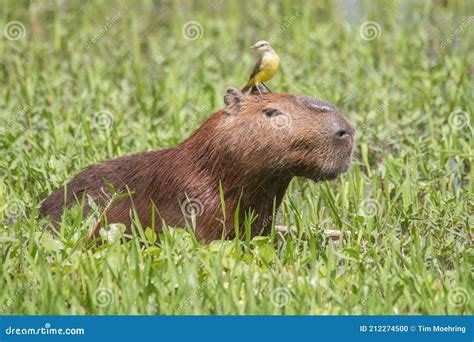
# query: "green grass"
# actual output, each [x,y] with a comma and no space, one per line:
[404,209]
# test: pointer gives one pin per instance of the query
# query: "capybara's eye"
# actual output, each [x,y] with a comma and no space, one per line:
[271,112]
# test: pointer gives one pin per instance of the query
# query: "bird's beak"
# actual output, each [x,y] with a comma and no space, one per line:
[253,48]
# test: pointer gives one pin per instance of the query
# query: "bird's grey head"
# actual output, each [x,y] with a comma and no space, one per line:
[261,46]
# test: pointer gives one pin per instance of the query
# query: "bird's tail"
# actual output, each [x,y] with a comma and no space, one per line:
[249,85]
[246,88]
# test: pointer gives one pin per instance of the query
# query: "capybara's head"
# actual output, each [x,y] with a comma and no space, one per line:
[283,134]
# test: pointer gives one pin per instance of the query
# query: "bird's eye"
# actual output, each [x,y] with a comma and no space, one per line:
[271,112]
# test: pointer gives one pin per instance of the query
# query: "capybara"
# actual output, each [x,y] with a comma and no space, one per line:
[247,152]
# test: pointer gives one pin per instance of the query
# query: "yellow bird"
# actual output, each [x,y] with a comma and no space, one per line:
[265,68]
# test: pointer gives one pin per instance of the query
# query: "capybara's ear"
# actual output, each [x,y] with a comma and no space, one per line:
[233,96]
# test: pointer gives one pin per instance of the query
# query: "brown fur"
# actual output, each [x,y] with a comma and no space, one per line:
[252,154]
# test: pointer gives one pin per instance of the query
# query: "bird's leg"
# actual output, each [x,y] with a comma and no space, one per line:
[260,93]
[268,89]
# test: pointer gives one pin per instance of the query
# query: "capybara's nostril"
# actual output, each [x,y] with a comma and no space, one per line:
[342,134]
[342,129]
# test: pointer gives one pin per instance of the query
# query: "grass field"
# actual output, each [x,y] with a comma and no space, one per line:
[83,82]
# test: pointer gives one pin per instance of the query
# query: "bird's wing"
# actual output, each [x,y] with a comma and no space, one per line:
[256,68]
